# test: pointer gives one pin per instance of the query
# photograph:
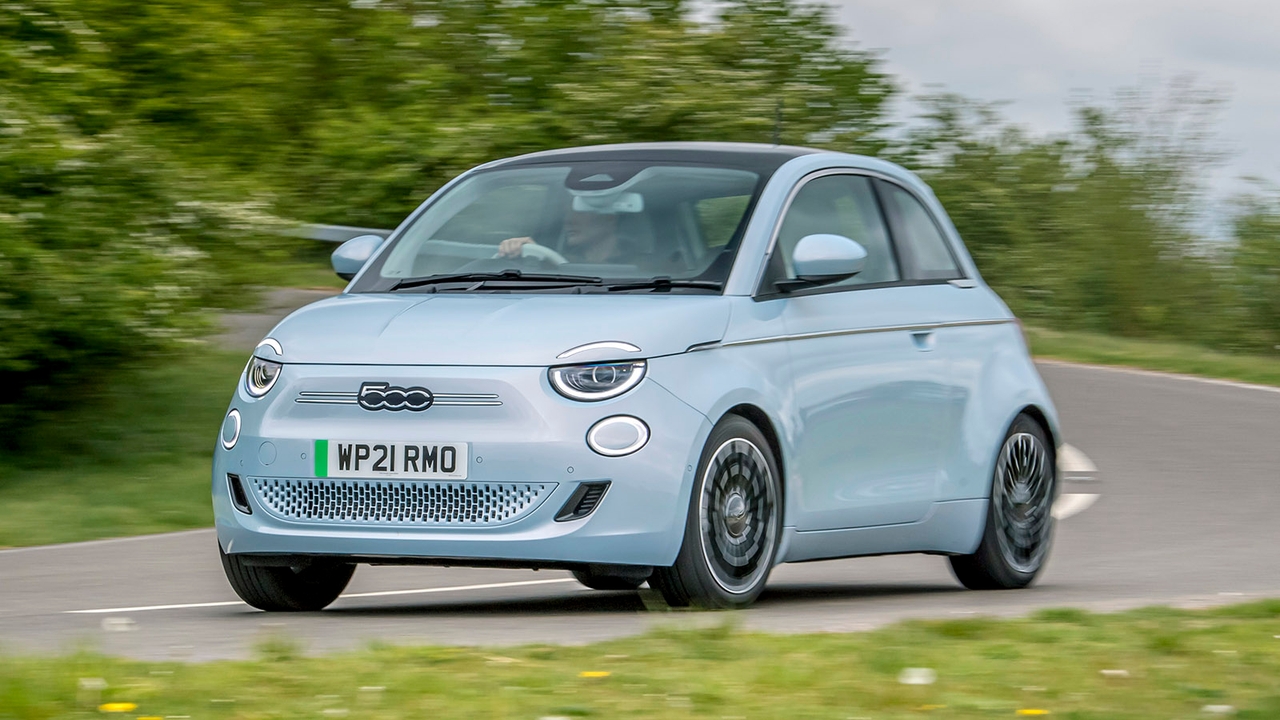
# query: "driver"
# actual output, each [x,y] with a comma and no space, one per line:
[589,238]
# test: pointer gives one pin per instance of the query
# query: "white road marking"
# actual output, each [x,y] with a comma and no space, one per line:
[1162,375]
[1074,468]
[106,541]
[1069,504]
[144,608]
[382,593]
[1075,465]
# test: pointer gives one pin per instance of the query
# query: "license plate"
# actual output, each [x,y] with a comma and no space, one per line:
[375,459]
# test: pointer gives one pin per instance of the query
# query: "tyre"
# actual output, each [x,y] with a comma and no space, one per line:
[1019,529]
[287,589]
[613,577]
[734,522]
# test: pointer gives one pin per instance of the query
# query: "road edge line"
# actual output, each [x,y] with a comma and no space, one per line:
[1160,374]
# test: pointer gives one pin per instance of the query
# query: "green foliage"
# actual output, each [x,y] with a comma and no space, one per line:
[108,248]
[1096,230]
[130,457]
[354,111]
[1257,260]
[147,149]
[1181,358]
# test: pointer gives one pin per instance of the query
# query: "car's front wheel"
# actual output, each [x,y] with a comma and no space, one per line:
[283,588]
[1019,530]
[735,519]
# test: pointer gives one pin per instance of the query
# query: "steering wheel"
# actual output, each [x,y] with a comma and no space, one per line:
[534,251]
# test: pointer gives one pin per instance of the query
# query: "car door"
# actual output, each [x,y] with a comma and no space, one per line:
[968,322]
[866,404]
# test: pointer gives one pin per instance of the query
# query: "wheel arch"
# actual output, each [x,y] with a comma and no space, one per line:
[1037,413]
[758,417]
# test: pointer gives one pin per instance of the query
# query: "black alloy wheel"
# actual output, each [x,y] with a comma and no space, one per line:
[734,522]
[1019,530]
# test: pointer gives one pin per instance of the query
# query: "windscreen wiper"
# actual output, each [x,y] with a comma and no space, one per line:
[509,275]
[663,283]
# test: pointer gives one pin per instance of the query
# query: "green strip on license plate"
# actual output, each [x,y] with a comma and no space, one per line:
[322,458]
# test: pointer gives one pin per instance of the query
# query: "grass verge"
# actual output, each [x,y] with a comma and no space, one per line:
[131,458]
[1150,355]
[1153,663]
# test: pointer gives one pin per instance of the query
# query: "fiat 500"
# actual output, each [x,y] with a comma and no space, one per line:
[680,364]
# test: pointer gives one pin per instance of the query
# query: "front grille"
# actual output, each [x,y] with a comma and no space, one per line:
[399,502]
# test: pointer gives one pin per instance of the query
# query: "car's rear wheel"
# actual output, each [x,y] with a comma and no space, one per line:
[734,522]
[287,589]
[1019,530]
[613,577]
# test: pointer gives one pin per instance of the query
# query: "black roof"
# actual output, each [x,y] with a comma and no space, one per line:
[758,156]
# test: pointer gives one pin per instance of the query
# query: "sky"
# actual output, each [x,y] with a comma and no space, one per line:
[1038,54]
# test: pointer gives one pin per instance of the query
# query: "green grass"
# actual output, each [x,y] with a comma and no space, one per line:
[1151,355]
[130,459]
[1175,663]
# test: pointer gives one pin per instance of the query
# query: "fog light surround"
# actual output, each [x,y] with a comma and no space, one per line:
[618,435]
[231,430]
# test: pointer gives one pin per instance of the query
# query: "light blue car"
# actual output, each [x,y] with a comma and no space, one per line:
[676,363]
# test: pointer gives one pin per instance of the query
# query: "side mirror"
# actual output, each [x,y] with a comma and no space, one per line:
[824,259]
[353,254]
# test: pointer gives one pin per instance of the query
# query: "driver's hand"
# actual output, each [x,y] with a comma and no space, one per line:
[513,247]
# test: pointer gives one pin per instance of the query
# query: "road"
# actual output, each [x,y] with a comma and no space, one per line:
[1188,517]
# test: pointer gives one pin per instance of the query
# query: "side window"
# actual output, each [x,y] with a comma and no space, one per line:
[923,246]
[839,205]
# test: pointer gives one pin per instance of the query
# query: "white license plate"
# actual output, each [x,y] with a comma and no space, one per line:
[375,459]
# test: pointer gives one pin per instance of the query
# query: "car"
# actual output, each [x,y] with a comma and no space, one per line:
[672,363]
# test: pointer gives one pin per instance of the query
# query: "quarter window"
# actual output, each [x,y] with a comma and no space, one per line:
[838,205]
[922,244]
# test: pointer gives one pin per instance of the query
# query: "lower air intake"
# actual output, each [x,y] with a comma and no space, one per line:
[583,501]
[394,502]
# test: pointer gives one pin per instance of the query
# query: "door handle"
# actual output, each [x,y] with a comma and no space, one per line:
[924,340]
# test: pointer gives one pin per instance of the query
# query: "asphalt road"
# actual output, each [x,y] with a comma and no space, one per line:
[1187,517]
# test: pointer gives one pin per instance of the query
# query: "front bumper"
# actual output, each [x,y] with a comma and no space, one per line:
[535,436]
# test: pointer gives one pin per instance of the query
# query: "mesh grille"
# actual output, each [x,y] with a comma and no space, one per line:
[394,502]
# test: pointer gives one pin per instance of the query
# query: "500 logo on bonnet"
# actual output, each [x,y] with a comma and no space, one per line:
[383,396]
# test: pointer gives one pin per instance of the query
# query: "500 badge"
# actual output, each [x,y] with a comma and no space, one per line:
[375,459]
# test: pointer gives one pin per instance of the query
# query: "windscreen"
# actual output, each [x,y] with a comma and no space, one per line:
[616,221]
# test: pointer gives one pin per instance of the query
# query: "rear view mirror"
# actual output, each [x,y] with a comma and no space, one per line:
[353,254]
[609,204]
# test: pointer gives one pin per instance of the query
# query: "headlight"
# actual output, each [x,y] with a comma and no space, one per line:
[260,376]
[590,383]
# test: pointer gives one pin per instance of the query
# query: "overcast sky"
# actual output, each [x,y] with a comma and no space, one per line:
[1038,54]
